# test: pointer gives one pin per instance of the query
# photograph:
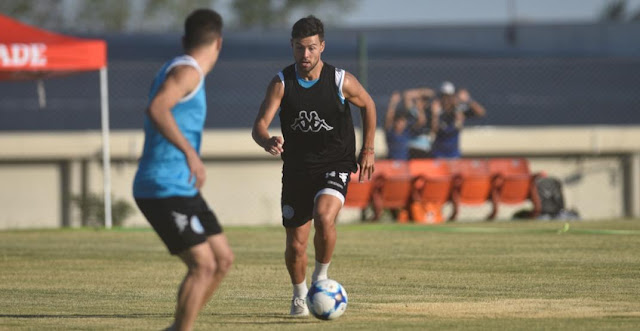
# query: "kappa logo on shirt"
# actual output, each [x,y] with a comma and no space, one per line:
[306,122]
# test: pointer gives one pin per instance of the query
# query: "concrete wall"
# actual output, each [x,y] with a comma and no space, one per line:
[39,172]
[29,195]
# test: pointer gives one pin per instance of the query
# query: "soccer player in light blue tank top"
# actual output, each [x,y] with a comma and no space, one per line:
[163,171]
[170,174]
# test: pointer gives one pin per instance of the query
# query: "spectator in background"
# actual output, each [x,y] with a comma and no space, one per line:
[397,129]
[449,112]
[406,124]
[416,101]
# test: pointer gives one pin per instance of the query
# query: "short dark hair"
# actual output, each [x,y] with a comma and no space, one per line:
[202,27]
[307,27]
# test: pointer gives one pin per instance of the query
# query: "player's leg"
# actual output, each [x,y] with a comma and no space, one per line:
[295,256]
[224,259]
[217,241]
[328,200]
[297,211]
[201,267]
[325,213]
[185,224]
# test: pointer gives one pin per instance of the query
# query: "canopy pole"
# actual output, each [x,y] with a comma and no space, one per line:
[42,96]
[106,159]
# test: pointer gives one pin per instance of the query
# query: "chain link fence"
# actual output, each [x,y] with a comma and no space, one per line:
[515,91]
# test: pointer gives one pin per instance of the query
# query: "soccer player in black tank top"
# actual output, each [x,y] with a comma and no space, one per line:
[318,149]
[320,135]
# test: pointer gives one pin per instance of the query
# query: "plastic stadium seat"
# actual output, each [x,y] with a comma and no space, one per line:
[513,183]
[392,187]
[431,189]
[359,194]
[471,183]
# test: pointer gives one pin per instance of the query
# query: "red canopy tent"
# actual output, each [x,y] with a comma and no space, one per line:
[27,52]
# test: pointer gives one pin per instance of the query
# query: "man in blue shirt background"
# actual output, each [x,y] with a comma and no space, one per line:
[448,113]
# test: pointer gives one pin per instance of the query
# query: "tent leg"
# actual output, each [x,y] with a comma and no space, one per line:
[106,160]
[65,193]
[42,95]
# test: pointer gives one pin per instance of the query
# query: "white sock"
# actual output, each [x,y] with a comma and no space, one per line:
[300,290]
[320,272]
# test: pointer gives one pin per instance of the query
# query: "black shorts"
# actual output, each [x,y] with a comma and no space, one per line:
[181,222]
[300,190]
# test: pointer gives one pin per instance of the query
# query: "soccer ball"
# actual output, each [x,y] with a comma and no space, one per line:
[327,299]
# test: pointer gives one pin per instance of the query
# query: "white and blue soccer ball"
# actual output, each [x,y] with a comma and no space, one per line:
[327,299]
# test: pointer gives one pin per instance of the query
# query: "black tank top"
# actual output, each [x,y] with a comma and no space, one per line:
[317,127]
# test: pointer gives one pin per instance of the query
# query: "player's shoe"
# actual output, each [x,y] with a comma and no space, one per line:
[299,308]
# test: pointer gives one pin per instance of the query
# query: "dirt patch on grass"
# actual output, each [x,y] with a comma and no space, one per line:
[512,308]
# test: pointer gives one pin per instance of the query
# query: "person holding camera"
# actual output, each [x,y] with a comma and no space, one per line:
[448,113]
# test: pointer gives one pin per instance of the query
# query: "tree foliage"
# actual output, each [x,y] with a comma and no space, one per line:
[159,15]
[274,13]
[47,14]
[103,16]
[618,11]
[92,210]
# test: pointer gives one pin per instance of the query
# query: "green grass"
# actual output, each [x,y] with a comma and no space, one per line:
[466,276]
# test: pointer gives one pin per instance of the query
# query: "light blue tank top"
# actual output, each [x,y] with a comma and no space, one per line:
[163,170]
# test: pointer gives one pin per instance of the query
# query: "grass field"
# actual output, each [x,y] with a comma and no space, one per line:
[467,276]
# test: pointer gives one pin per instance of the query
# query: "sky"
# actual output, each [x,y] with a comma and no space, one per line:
[438,12]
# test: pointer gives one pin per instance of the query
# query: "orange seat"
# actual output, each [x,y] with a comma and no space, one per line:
[431,189]
[359,194]
[513,183]
[392,187]
[471,184]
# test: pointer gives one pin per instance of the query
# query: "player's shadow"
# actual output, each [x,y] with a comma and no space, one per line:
[228,318]
[132,315]
[264,318]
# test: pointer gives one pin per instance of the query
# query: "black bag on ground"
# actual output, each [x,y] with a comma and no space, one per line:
[551,197]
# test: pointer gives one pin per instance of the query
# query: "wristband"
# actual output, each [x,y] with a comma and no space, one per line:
[368,150]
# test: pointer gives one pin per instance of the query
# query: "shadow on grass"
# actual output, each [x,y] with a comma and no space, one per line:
[264,318]
[227,318]
[134,315]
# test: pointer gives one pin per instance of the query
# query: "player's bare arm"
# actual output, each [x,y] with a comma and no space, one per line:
[268,109]
[358,96]
[181,81]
